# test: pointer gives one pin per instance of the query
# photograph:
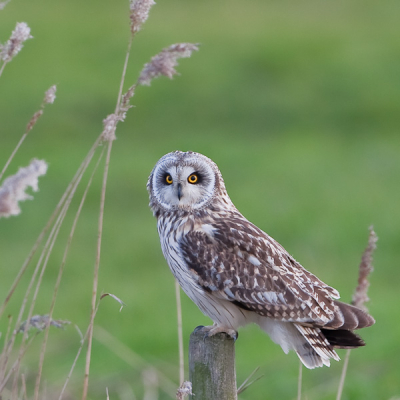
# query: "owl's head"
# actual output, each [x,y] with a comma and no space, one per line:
[185,180]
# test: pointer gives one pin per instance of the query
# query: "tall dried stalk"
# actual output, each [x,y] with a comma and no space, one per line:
[161,64]
[76,358]
[299,381]
[58,215]
[126,354]
[44,257]
[360,296]
[343,375]
[110,137]
[49,97]
[68,192]
[96,272]
[60,273]
[247,383]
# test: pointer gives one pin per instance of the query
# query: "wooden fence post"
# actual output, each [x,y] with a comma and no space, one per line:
[212,366]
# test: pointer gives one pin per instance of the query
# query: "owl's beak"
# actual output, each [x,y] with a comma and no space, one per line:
[179,191]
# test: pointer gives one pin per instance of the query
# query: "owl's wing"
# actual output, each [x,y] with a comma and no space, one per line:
[236,261]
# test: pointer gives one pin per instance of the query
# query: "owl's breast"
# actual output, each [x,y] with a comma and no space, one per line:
[171,229]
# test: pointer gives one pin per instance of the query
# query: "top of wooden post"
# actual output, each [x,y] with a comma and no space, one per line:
[212,366]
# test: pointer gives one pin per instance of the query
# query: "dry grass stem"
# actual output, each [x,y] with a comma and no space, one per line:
[45,255]
[164,63]
[111,121]
[343,375]
[68,192]
[121,84]
[3,353]
[245,385]
[108,135]
[299,381]
[62,209]
[83,339]
[360,296]
[60,273]
[139,13]
[131,358]
[10,344]
[49,98]
[96,271]
[122,304]
[184,390]
[150,384]
[76,357]
[4,381]
[23,382]
[13,189]
[180,333]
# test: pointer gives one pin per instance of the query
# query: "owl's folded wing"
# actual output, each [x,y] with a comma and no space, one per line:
[242,264]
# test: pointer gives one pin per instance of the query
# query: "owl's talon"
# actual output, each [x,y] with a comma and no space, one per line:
[214,329]
[235,336]
[198,328]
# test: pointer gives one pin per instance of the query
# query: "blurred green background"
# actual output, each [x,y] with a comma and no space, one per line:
[298,104]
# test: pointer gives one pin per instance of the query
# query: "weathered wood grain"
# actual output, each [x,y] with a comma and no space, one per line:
[212,366]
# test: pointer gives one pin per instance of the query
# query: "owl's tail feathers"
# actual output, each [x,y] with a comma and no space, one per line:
[315,350]
[342,339]
[348,317]
[319,344]
[310,344]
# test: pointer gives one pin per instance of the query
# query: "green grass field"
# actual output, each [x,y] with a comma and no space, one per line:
[298,104]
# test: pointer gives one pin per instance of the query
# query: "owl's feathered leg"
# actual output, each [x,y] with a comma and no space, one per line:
[214,329]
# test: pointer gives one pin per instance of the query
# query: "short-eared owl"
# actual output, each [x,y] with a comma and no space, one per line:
[237,274]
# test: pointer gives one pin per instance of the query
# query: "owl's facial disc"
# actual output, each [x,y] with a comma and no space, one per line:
[187,185]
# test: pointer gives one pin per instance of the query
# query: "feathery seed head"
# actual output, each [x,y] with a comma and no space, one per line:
[33,120]
[13,189]
[164,63]
[139,12]
[110,123]
[360,296]
[184,390]
[3,4]
[125,106]
[19,35]
[50,95]
[39,322]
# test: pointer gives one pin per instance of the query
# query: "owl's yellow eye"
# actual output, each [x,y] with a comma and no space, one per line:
[193,178]
[168,179]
